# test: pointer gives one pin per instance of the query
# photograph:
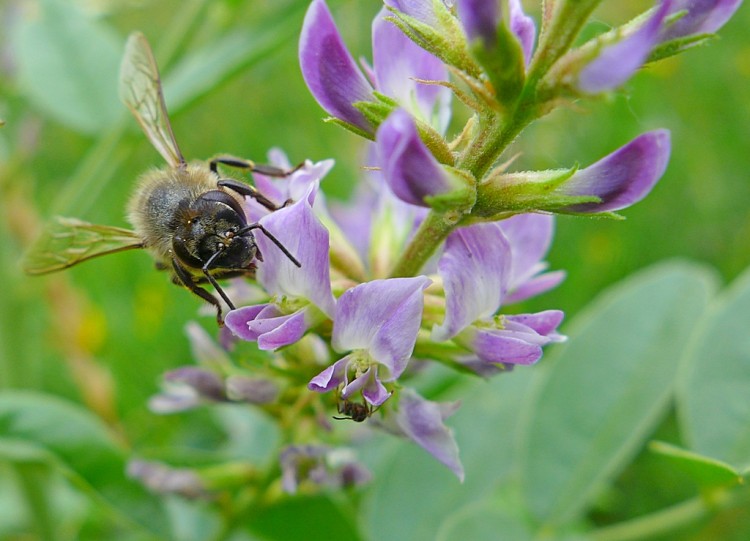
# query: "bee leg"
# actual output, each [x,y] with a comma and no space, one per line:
[248,191]
[239,163]
[185,278]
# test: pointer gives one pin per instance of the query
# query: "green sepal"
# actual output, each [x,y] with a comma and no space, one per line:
[504,64]
[350,127]
[531,191]
[460,200]
[447,42]
[375,112]
[676,46]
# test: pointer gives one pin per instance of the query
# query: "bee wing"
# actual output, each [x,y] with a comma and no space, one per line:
[68,241]
[141,91]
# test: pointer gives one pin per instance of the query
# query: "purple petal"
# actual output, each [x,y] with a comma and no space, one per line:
[237,320]
[475,268]
[617,62]
[205,383]
[419,9]
[703,17]
[480,19]
[281,331]
[535,286]
[624,177]
[300,232]
[422,421]
[331,377]
[328,68]
[502,346]
[266,324]
[544,323]
[529,236]
[205,350]
[523,27]
[397,62]
[383,317]
[251,390]
[411,171]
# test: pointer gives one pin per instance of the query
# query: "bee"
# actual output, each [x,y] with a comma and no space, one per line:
[186,215]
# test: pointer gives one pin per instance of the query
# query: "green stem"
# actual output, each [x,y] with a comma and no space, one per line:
[672,518]
[33,481]
[434,229]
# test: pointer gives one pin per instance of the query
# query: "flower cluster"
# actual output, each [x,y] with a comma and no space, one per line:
[441,236]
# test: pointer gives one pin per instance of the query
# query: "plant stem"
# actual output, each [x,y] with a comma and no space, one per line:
[33,483]
[672,518]
[434,229]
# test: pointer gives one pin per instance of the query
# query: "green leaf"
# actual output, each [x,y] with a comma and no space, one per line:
[485,520]
[68,65]
[37,424]
[206,68]
[714,390]
[705,471]
[412,494]
[594,404]
[306,518]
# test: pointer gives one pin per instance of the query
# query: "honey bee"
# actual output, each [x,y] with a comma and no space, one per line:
[186,215]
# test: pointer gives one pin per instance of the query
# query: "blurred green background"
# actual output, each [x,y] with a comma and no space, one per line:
[101,334]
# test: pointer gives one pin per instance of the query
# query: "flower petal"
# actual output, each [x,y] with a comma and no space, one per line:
[410,170]
[298,229]
[529,236]
[501,346]
[624,177]
[480,19]
[475,268]
[397,62]
[617,62]
[328,68]
[523,27]
[422,421]
[331,377]
[419,9]
[703,17]
[544,323]
[383,317]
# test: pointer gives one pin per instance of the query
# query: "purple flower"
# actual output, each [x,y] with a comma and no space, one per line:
[481,18]
[329,70]
[475,268]
[422,421]
[337,83]
[478,269]
[512,339]
[397,62]
[163,479]
[290,188]
[377,322]
[419,9]
[703,17]
[320,465]
[186,388]
[622,178]
[529,237]
[523,27]
[617,62]
[303,294]
[408,167]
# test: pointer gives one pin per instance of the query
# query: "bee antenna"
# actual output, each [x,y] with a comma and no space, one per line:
[273,239]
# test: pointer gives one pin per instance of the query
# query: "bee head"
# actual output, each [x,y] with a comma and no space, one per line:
[213,233]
